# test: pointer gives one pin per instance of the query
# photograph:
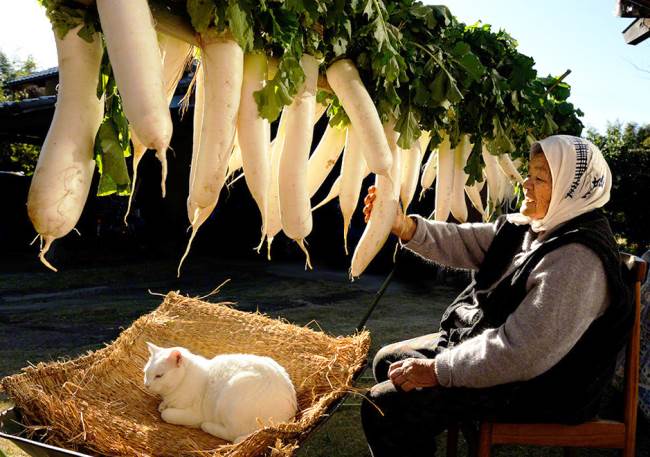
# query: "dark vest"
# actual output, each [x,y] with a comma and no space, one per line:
[571,390]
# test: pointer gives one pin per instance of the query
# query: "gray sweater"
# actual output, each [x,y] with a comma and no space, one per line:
[567,290]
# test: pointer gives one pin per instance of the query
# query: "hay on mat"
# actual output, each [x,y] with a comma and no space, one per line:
[97,402]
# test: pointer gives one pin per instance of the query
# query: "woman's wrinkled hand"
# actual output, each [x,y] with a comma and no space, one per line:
[403,226]
[409,374]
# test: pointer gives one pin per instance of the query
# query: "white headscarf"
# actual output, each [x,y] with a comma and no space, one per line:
[581,181]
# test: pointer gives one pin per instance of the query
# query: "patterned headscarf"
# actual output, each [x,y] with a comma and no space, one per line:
[581,181]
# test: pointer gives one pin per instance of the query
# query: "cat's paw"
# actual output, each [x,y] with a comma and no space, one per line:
[162,406]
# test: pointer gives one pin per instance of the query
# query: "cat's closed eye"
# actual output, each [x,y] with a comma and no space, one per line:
[159,376]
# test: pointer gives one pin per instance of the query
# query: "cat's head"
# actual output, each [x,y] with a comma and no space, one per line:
[165,369]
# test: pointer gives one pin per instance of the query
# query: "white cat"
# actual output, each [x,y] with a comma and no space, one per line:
[228,396]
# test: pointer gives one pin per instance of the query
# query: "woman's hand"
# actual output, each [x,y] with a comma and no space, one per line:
[409,374]
[403,226]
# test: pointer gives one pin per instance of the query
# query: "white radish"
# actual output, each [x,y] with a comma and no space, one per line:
[235,161]
[175,55]
[509,169]
[139,150]
[199,106]
[254,134]
[334,192]
[295,209]
[352,174]
[429,172]
[444,179]
[411,161]
[64,171]
[461,154]
[474,194]
[383,212]
[135,57]
[272,217]
[324,157]
[222,63]
[424,140]
[492,178]
[344,79]
[320,110]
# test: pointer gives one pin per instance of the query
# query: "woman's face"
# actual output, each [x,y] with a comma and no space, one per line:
[537,188]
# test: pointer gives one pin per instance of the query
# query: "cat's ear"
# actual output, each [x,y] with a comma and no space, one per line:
[176,357]
[152,348]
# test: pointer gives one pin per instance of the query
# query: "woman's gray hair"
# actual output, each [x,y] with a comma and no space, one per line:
[535,149]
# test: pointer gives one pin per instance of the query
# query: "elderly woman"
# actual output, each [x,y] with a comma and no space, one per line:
[535,335]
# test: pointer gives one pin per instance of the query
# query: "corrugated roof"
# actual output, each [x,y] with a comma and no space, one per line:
[43,74]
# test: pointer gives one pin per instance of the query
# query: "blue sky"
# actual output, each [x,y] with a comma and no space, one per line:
[581,35]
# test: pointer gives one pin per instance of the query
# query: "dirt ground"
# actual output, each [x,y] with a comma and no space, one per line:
[45,316]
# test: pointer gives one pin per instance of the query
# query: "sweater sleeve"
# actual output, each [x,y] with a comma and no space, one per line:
[567,291]
[453,245]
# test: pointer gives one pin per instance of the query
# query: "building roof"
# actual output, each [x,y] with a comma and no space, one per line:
[33,77]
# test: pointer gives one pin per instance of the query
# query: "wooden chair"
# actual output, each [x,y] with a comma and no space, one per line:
[597,433]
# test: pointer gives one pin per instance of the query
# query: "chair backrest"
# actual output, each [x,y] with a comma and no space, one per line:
[638,270]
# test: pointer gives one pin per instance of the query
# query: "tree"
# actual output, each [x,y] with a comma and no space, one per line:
[16,156]
[627,151]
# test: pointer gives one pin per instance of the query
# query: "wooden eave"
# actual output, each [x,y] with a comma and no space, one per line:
[637,31]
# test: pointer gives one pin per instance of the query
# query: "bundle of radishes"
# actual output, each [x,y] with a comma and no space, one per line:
[392,94]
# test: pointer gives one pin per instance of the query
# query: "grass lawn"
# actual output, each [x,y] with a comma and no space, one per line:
[44,316]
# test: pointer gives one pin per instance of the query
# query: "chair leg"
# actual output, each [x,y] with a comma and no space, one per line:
[485,439]
[570,452]
[470,432]
[452,441]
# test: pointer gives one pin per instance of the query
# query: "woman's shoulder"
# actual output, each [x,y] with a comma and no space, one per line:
[573,259]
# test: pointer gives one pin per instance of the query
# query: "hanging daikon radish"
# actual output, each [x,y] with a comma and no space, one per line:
[199,106]
[254,136]
[461,154]
[295,208]
[222,62]
[344,79]
[139,150]
[174,54]
[320,110]
[324,157]
[474,194]
[334,192]
[509,169]
[411,161]
[64,171]
[429,172]
[235,161]
[352,174]
[424,140]
[272,217]
[384,210]
[134,53]
[492,177]
[444,179]
[507,188]
[480,184]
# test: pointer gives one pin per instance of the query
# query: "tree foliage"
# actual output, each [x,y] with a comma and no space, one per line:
[12,69]
[627,150]
[16,157]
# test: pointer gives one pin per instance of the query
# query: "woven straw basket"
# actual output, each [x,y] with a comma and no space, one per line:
[97,403]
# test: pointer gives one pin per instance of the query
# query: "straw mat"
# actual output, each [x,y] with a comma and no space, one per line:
[97,403]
